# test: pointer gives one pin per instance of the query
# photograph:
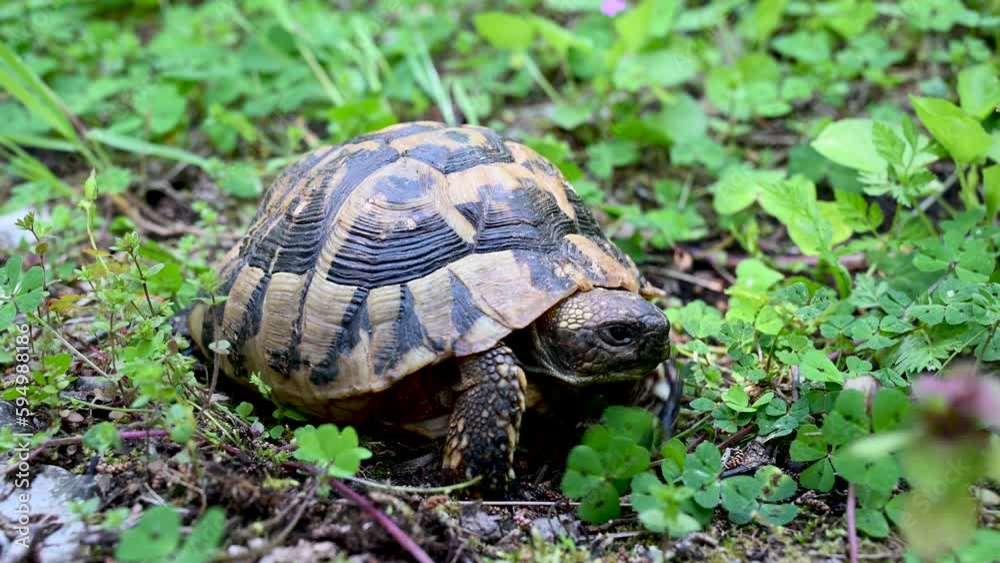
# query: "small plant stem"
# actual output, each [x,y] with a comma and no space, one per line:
[405,541]
[207,403]
[397,534]
[72,348]
[852,529]
[418,490]
[145,286]
[539,78]
[684,433]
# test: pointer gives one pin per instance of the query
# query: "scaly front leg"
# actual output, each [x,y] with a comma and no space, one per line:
[483,430]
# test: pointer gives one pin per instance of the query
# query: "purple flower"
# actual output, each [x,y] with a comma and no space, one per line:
[961,396]
[611,8]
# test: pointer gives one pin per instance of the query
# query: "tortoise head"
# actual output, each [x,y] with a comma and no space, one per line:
[599,336]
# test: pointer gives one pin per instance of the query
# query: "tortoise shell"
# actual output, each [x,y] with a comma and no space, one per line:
[372,259]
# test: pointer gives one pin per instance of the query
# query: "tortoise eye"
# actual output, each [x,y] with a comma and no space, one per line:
[618,334]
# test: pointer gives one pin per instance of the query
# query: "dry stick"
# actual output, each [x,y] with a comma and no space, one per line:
[404,540]
[852,529]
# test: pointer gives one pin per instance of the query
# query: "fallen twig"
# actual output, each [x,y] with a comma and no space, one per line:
[390,526]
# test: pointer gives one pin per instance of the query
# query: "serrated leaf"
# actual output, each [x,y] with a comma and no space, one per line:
[888,144]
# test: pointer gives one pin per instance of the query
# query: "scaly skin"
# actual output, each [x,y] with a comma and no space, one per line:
[484,426]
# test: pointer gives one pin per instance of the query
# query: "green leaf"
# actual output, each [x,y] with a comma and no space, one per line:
[585,460]
[205,537]
[505,31]
[154,538]
[7,313]
[102,437]
[664,68]
[808,444]
[335,450]
[816,366]
[777,514]
[674,455]
[850,143]
[577,485]
[818,476]
[240,179]
[739,187]
[774,484]
[890,410]
[600,504]
[872,522]
[739,498]
[888,144]
[979,90]
[962,136]
[625,459]
[161,106]
[181,423]
[633,423]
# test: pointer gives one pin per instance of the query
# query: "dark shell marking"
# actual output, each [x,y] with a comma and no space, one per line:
[373,259]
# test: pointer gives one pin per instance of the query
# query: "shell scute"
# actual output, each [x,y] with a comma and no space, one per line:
[399,249]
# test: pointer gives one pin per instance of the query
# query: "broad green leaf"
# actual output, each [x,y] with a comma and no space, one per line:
[979,90]
[505,31]
[776,514]
[600,504]
[625,459]
[674,455]
[818,476]
[739,187]
[808,444]
[206,535]
[890,410]
[154,538]
[817,367]
[739,498]
[872,522]
[576,485]
[962,136]
[774,484]
[102,437]
[662,68]
[849,142]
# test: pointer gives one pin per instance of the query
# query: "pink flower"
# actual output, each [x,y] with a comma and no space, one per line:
[964,396]
[611,8]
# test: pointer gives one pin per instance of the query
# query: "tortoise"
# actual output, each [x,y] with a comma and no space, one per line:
[418,276]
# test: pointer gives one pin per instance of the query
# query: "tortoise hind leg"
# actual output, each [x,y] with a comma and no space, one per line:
[484,426]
